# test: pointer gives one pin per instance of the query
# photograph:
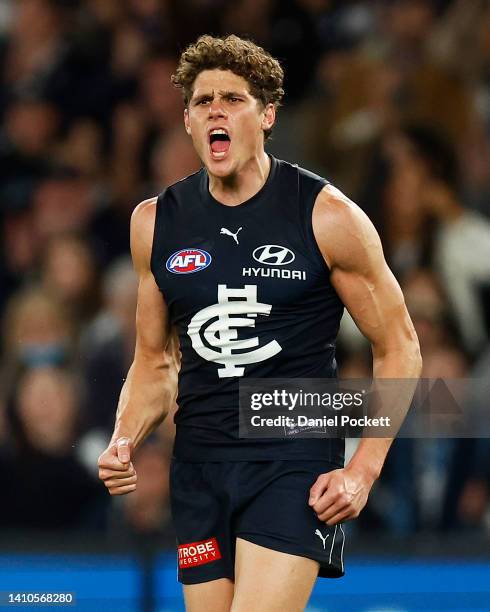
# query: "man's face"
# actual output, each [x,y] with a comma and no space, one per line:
[226,122]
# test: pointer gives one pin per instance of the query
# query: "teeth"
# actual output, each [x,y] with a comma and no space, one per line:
[218,131]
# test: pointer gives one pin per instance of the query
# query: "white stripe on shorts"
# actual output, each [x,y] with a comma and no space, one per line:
[333,542]
[342,549]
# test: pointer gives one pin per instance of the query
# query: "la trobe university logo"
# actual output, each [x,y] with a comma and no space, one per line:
[214,331]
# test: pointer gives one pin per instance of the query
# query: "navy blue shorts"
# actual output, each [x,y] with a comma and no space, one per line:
[264,502]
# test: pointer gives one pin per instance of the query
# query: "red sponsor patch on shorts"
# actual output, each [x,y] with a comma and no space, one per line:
[198,553]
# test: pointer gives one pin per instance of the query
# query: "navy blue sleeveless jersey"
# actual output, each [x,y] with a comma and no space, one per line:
[249,293]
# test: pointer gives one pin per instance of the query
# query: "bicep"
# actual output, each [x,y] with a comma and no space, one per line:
[152,324]
[375,301]
[359,273]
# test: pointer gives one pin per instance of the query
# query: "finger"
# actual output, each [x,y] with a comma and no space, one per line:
[112,474]
[331,496]
[318,488]
[122,490]
[124,450]
[332,510]
[345,515]
[110,461]
[120,482]
[113,464]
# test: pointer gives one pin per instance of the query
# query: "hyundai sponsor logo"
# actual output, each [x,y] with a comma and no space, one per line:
[273,255]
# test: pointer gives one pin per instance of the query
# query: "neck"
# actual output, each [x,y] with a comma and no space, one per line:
[243,184]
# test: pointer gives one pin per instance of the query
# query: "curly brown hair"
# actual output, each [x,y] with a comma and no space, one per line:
[244,58]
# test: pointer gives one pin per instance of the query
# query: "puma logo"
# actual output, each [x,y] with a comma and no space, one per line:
[323,539]
[227,232]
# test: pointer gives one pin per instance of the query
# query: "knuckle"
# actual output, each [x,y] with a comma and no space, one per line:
[101,461]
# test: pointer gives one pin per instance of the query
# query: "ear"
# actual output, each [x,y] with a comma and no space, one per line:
[269,116]
[187,122]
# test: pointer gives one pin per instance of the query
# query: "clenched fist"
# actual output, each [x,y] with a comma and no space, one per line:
[116,469]
[339,495]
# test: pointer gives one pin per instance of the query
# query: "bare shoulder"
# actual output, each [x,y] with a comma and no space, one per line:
[344,233]
[143,216]
[142,228]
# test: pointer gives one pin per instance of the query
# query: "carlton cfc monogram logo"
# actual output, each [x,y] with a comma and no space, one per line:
[214,335]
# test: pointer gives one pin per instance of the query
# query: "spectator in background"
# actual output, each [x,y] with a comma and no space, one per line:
[173,157]
[431,316]
[28,133]
[82,145]
[104,14]
[45,484]
[37,332]
[461,238]
[63,202]
[20,248]
[34,47]
[462,258]
[69,273]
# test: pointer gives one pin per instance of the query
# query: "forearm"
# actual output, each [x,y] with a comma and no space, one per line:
[145,399]
[405,363]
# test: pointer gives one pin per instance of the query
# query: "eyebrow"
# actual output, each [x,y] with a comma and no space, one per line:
[223,94]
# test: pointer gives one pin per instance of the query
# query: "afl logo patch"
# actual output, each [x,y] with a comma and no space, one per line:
[187,261]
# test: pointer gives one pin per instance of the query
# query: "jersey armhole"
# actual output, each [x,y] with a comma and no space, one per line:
[157,231]
[311,242]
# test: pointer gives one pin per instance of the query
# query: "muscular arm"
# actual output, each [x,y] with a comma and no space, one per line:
[150,386]
[352,249]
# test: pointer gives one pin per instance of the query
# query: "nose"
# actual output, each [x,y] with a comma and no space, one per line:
[216,108]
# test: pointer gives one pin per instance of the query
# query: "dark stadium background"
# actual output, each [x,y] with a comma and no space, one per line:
[390,100]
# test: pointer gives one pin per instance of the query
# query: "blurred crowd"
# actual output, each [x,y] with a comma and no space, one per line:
[390,100]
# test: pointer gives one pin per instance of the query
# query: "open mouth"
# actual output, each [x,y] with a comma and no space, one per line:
[219,142]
